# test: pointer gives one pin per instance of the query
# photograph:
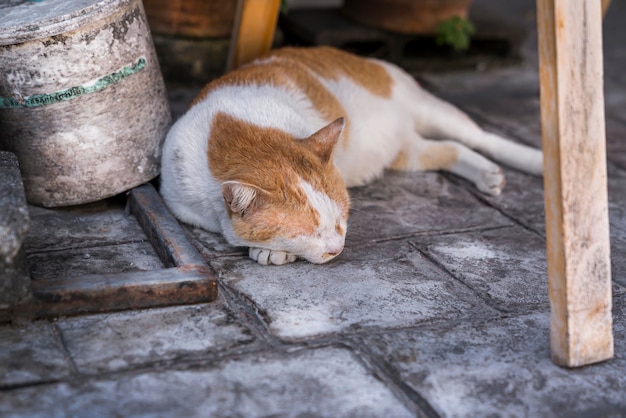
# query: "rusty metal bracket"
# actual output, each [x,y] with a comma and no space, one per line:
[166,235]
[186,280]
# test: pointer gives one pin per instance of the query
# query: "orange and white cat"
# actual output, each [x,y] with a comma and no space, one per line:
[265,153]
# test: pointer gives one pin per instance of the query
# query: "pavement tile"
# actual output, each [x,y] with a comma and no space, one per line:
[211,244]
[135,256]
[615,133]
[132,338]
[506,265]
[503,368]
[614,97]
[312,383]
[30,354]
[614,54]
[617,216]
[388,284]
[81,227]
[402,204]
[522,199]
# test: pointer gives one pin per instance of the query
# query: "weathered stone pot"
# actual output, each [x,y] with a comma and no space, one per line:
[405,16]
[191,18]
[82,100]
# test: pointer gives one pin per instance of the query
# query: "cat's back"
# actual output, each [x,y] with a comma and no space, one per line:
[331,65]
[323,78]
[296,91]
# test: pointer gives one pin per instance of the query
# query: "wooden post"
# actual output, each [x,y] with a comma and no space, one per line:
[253,31]
[605,6]
[577,227]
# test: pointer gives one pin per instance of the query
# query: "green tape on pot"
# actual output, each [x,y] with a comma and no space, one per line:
[37,100]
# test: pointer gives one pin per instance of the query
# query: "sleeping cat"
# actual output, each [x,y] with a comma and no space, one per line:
[265,153]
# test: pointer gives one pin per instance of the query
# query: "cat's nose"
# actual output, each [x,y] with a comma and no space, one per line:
[334,252]
[330,254]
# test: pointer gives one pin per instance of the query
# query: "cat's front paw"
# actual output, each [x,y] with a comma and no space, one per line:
[491,181]
[266,257]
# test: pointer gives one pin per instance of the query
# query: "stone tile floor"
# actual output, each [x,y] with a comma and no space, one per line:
[438,307]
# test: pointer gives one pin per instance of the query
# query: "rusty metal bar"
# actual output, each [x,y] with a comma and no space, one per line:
[188,279]
[165,233]
[116,292]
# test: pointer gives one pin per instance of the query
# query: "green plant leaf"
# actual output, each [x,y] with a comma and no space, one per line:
[455,32]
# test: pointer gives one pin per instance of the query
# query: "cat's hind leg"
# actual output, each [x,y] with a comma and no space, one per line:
[428,155]
[437,119]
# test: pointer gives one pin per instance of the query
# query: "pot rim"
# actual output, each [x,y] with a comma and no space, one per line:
[31,20]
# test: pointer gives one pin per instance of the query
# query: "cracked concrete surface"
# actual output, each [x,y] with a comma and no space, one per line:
[437,308]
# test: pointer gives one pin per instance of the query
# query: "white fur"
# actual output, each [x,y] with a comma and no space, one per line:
[327,242]
[379,129]
[320,247]
[187,186]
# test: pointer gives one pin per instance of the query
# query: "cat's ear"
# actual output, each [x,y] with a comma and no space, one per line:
[238,196]
[323,141]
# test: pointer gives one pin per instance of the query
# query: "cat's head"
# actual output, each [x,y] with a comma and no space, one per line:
[285,195]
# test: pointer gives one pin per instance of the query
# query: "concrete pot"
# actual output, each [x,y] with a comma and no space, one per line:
[405,16]
[191,18]
[82,100]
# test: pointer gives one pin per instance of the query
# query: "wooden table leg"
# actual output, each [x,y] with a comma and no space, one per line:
[253,31]
[577,227]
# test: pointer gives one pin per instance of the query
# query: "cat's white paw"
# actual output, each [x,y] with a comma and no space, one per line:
[266,257]
[491,181]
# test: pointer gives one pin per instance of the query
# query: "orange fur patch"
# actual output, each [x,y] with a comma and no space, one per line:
[286,74]
[296,68]
[275,162]
[332,63]
[438,157]
[401,162]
